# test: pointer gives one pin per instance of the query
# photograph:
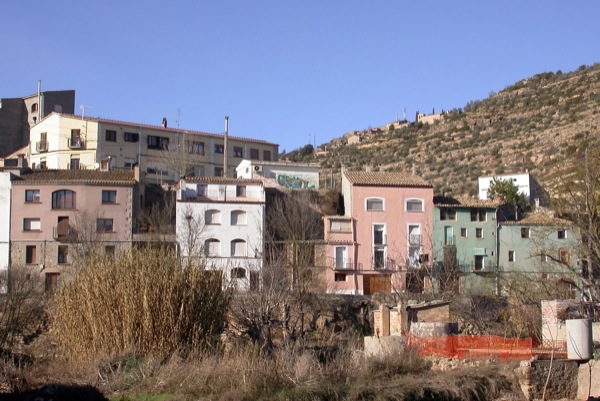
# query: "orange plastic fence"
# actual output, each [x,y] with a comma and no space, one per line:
[474,347]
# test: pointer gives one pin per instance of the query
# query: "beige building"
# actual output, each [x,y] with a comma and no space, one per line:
[165,154]
[55,213]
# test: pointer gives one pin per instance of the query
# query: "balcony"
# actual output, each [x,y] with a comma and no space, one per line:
[343,264]
[41,146]
[450,240]
[64,233]
[76,143]
[385,264]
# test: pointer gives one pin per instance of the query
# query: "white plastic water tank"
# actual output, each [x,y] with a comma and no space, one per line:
[579,339]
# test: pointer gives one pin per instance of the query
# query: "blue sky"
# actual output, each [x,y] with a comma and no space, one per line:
[286,72]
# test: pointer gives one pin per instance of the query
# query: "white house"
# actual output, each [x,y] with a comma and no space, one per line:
[4,227]
[522,181]
[280,174]
[220,224]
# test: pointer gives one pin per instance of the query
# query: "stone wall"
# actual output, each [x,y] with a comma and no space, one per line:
[562,383]
[588,380]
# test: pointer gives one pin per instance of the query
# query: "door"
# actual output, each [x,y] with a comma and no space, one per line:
[448,235]
[375,284]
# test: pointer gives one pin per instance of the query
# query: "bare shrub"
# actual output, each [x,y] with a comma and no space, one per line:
[145,303]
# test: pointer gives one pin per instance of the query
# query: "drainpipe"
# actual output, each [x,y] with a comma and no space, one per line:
[497,254]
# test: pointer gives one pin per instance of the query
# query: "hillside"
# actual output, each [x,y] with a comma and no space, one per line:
[541,124]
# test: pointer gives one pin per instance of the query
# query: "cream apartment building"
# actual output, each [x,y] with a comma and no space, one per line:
[62,141]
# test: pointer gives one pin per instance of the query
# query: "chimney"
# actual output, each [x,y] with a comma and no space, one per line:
[164,122]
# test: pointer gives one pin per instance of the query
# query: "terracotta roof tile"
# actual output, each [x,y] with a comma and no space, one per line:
[465,201]
[386,179]
[112,177]
[539,219]
[222,180]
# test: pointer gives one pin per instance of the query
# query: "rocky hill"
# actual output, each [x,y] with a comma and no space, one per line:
[541,124]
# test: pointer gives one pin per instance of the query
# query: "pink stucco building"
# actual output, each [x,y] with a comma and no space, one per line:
[384,241]
[54,211]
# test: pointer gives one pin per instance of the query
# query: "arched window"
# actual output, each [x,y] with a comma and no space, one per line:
[34,108]
[413,205]
[212,216]
[239,248]
[63,199]
[238,272]
[238,218]
[212,247]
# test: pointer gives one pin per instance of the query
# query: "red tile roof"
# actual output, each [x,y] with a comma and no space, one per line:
[385,179]
[112,177]
[221,180]
[539,219]
[466,202]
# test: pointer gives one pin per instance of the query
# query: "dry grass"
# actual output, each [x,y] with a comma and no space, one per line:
[146,304]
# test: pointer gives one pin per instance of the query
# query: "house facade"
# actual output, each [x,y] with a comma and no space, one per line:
[56,213]
[17,115]
[542,250]
[220,225]
[384,240]
[286,175]
[465,244]
[164,154]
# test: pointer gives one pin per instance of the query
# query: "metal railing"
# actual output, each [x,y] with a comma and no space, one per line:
[41,146]
[76,143]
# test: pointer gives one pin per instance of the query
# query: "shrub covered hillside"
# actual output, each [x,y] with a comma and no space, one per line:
[541,124]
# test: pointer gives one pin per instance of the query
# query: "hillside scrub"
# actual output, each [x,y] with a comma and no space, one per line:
[146,304]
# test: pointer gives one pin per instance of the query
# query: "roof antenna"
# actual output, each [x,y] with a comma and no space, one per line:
[82,107]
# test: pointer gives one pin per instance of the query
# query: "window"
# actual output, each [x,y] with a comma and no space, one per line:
[238,218]
[478,215]
[158,142]
[194,147]
[32,224]
[34,107]
[340,277]
[238,151]
[447,214]
[129,163]
[238,273]
[267,155]
[525,232]
[63,199]
[110,251]
[74,165]
[104,225]
[220,149]
[254,154]
[52,281]
[218,171]
[75,139]
[201,190]
[131,137]
[374,204]
[378,246]
[564,256]
[212,216]
[511,256]
[63,254]
[413,205]
[479,233]
[212,247]
[30,254]
[240,191]
[562,234]
[111,136]
[341,257]
[463,232]
[109,196]
[239,248]
[340,226]
[479,262]
[32,196]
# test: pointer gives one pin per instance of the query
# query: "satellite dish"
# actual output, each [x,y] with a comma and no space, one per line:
[96,165]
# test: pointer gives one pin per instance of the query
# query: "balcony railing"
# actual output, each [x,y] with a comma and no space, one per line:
[345,264]
[64,233]
[386,265]
[449,240]
[41,146]
[476,268]
[76,143]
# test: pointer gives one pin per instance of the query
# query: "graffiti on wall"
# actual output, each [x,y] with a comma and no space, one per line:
[297,182]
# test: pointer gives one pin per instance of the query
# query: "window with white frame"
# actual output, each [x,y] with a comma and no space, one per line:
[413,205]
[32,224]
[374,204]
[562,233]
[511,256]
[340,226]
[341,257]
[379,241]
